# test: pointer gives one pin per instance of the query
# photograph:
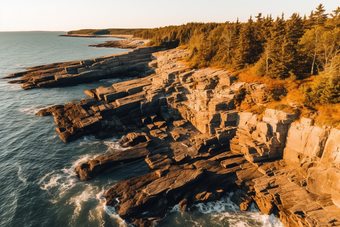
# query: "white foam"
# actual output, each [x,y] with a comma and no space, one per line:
[15,87]
[29,110]
[113,147]
[175,208]
[112,213]
[51,182]
[227,211]
[20,176]
[219,206]
[89,140]
[58,182]
[88,194]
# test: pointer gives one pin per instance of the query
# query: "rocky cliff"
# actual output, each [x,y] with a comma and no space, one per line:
[184,125]
[130,64]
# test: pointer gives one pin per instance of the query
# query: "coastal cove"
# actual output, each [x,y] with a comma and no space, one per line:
[39,185]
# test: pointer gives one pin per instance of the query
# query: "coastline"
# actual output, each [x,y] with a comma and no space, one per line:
[98,36]
[258,177]
[127,42]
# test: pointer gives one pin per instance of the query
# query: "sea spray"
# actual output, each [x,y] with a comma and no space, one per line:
[58,182]
[30,110]
[38,178]
[113,214]
[220,213]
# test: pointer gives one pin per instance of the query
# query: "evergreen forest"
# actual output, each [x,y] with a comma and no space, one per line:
[298,57]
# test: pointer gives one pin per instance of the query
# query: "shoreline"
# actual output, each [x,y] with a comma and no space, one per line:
[127,42]
[184,125]
[98,36]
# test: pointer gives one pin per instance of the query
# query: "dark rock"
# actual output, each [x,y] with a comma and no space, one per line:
[90,169]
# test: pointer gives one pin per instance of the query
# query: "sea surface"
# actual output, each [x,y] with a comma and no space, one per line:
[38,185]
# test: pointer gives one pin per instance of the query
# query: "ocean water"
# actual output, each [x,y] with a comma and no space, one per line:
[38,183]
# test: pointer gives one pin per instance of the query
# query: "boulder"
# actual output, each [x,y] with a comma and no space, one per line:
[133,138]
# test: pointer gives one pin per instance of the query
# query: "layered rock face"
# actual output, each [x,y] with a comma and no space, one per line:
[183,124]
[264,139]
[132,63]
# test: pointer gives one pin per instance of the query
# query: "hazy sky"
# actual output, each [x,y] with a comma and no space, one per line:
[64,15]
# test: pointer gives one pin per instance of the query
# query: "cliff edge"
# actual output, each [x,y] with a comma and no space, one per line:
[184,124]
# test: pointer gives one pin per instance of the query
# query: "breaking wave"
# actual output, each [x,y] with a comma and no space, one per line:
[224,210]
[30,110]
[58,182]
[221,213]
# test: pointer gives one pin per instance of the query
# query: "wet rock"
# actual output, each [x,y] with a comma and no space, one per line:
[191,118]
[90,169]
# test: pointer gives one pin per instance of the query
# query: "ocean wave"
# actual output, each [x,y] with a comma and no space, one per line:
[30,110]
[88,140]
[224,210]
[113,147]
[58,182]
[90,203]
[15,87]
[175,208]
[86,196]
[113,214]
[218,213]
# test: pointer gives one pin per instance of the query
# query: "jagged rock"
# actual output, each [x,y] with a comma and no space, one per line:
[196,165]
[158,161]
[73,73]
[90,169]
[175,135]
[152,191]
[133,138]
[183,205]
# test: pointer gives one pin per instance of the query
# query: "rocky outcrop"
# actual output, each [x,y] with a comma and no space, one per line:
[129,43]
[264,139]
[184,125]
[314,152]
[202,181]
[132,63]
[89,169]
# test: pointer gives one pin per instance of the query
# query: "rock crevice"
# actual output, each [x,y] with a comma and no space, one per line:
[184,124]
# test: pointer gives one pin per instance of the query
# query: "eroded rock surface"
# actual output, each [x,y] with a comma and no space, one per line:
[130,64]
[184,125]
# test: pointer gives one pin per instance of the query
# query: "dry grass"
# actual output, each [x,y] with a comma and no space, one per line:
[326,114]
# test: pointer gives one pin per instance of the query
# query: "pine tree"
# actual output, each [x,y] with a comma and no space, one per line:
[293,33]
[319,16]
[276,49]
[335,18]
[229,35]
[243,54]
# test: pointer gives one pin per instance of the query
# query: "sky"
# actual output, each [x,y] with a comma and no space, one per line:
[66,15]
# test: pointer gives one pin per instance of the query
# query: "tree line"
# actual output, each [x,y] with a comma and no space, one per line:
[277,48]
